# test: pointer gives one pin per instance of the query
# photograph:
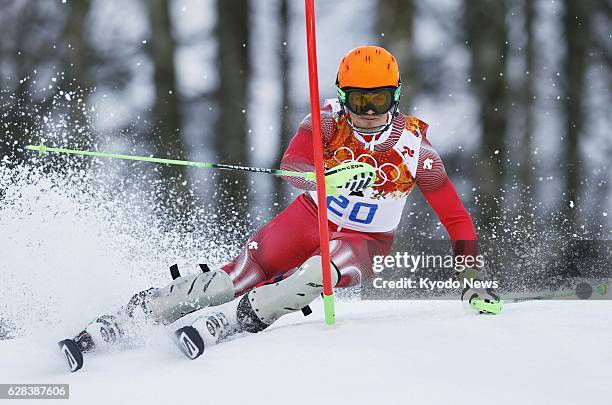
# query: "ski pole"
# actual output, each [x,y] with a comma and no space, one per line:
[600,290]
[43,149]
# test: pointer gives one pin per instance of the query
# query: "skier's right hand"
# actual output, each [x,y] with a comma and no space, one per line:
[351,176]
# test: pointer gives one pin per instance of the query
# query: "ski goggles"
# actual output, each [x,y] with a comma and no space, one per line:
[360,101]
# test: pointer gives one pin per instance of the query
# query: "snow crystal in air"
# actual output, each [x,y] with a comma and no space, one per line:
[98,223]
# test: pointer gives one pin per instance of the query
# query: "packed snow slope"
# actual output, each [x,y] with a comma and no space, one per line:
[78,242]
[421,352]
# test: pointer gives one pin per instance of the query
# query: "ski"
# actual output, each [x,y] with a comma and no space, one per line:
[582,292]
[72,354]
[188,339]
[190,342]
[73,349]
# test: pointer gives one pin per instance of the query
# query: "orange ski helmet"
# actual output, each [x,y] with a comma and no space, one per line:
[368,67]
[369,79]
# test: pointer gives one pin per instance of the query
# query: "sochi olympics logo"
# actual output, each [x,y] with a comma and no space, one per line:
[387,172]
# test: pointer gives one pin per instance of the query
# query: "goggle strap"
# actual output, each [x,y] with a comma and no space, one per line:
[341,94]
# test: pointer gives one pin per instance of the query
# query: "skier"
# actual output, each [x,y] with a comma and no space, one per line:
[279,269]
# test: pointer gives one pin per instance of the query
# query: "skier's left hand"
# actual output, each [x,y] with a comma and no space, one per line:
[482,300]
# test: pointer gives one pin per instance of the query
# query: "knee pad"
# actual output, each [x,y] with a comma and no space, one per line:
[190,293]
[265,304]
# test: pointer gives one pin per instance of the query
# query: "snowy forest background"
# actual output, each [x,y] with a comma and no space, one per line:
[516,92]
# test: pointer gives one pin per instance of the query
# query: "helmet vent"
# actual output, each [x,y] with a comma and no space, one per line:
[368,67]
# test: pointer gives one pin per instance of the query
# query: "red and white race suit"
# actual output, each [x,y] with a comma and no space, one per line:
[361,225]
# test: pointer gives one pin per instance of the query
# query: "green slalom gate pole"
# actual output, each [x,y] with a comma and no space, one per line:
[42,149]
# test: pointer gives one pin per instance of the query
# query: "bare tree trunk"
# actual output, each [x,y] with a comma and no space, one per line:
[285,130]
[231,128]
[487,41]
[576,23]
[77,69]
[16,109]
[166,135]
[526,172]
[396,21]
